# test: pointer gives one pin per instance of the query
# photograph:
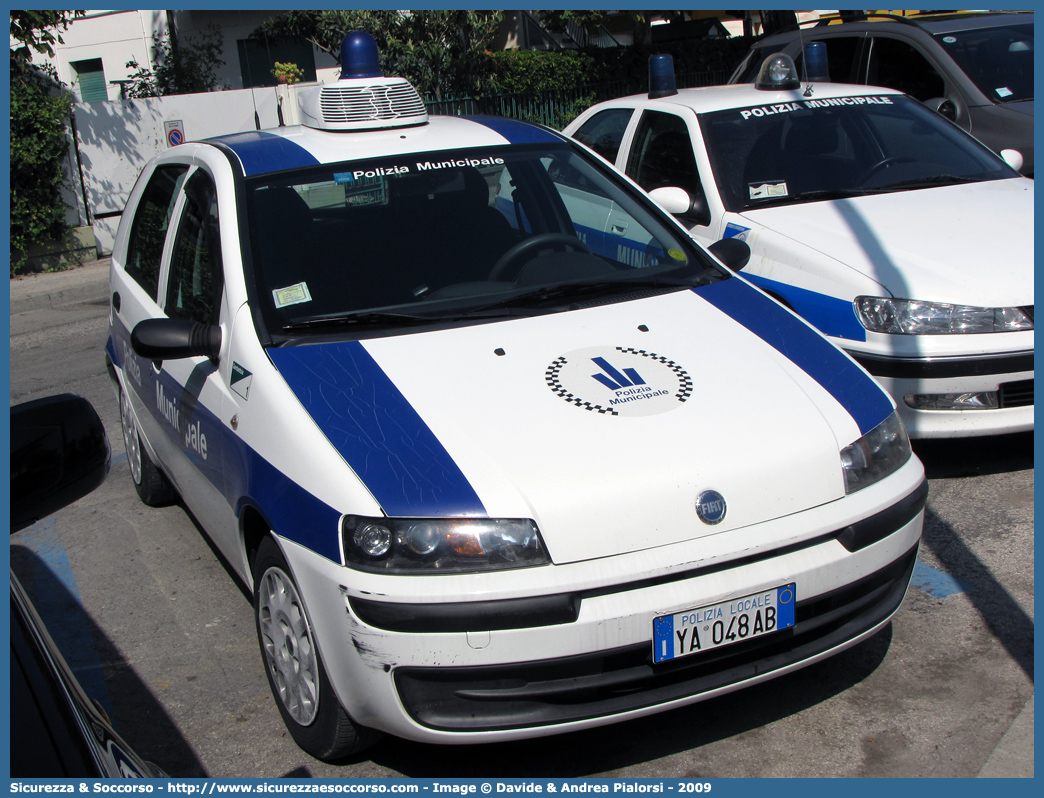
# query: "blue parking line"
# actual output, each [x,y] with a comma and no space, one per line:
[61,608]
[936,583]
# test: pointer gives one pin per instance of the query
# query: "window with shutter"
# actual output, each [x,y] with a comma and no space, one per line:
[90,80]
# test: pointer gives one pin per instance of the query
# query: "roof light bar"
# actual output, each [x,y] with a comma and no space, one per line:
[362,99]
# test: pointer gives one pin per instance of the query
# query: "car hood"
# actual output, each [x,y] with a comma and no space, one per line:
[1022,106]
[603,425]
[969,244]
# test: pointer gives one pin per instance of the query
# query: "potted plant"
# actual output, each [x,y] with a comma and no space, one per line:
[287,73]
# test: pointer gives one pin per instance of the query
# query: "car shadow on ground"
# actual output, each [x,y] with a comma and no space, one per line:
[948,458]
[954,459]
[102,670]
[1009,623]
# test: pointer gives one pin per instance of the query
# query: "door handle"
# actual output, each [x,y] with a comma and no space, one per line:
[116,301]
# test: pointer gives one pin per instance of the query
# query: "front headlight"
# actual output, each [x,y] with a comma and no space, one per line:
[440,545]
[876,455]
[912,317]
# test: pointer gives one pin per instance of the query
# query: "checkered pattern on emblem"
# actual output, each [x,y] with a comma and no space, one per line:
[551,377]
[684,380]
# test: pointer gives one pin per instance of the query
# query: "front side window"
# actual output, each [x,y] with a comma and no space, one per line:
[604,131]
[832,148]
[998,60]
[662,154]
[445,234]
[196,277]
[149,228]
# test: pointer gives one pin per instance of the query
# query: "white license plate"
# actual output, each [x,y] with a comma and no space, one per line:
[685,633]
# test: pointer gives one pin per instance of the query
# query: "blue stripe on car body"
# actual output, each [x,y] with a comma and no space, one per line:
[262,152]
[854,390]
[237,471]
[828,314]
[377,431]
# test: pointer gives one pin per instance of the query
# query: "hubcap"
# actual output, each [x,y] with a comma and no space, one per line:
[130,438]
[287,642]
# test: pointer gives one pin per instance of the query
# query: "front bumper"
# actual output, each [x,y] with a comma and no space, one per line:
[612,683]
[1009,376]
[476,675]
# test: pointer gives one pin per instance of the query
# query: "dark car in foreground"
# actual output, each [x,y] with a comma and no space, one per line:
[59,453]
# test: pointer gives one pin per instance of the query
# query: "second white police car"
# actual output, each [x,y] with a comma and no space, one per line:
[491,473]
[886,226]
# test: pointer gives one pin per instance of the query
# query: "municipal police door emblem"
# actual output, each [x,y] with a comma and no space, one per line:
[619,381]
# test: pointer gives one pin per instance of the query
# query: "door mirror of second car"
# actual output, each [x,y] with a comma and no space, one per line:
[678,202]
[733,252]
[59,453]
[1013,158]
[943,107]
[173,339]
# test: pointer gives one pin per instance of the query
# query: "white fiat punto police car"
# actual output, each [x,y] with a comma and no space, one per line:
[490,472]
[886,226]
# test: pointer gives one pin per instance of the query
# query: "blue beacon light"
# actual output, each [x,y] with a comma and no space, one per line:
[359,56]
[661,76]
[816,69]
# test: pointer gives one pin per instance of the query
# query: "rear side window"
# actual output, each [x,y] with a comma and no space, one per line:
[604,131]
[898,65]
[196,277]
[842,58]
[149,230]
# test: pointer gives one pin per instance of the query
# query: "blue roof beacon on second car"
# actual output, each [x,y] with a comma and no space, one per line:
[893,231]
[498,448]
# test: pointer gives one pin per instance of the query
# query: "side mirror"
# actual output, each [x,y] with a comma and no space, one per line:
[678,202]
[943,107]
[1013,158]
[59,453]
[173,339]
[672,199]
[733,252]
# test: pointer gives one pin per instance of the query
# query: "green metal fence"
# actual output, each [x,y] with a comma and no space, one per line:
[557,108]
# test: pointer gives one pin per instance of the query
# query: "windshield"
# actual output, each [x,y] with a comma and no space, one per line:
[998,60]
[436,236]
[840,147]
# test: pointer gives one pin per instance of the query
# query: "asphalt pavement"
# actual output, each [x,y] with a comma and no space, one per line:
[89,283]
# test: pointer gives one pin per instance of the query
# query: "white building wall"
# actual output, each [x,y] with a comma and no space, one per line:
[118,37]
[117,138]
[115,37]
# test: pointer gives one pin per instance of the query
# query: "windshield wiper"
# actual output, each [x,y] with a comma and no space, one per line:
[808,196]
[373,317]
[840,193]
[508,306]
[573,290]
[933,181]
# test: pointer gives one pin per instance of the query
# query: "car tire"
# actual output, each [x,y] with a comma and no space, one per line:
[302,690]
[152,485]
